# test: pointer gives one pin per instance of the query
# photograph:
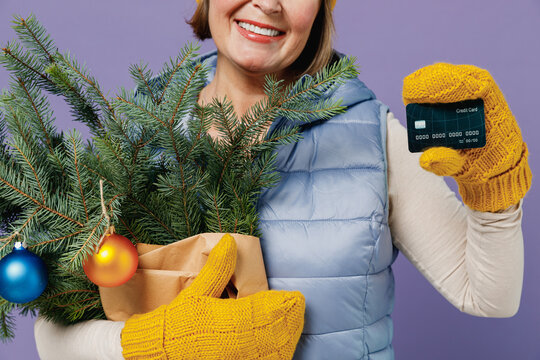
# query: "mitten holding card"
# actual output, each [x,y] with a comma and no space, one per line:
[491,178]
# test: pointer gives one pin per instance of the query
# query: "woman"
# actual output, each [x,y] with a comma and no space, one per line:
[350,195]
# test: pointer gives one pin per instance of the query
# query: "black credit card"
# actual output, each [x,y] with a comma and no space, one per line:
[459,125]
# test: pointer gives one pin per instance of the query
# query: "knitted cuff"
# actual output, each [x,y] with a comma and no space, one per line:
[500,192]
[142,336]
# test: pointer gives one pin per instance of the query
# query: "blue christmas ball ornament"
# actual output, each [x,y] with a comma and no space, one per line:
[23,275]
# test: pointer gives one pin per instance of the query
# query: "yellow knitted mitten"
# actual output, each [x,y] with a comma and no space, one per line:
[199,325]
[491,178]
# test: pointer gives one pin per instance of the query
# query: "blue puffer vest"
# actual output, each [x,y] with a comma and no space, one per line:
[325,228]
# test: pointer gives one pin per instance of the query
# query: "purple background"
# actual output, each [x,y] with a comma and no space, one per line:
[397,38]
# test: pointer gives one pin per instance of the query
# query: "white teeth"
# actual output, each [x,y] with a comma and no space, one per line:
[258,30]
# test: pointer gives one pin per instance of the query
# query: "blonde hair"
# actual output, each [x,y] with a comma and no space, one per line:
[317,53]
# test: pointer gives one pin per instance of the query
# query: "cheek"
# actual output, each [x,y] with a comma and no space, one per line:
[219,13]
[223,6]
[303,19]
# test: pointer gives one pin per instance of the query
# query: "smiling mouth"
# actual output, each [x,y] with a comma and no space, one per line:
[265,31]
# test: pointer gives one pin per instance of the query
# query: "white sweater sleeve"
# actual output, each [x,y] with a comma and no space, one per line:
[88,340]
[474,259]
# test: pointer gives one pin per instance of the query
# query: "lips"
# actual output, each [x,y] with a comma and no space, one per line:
[258,32]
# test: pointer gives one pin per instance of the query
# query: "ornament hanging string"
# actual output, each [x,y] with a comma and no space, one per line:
[110,228]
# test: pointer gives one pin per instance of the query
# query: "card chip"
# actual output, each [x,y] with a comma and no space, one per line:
[420,124]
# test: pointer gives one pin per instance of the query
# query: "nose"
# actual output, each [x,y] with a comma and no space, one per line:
[268,6]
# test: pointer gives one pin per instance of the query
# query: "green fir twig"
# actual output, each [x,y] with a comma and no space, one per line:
[165,178]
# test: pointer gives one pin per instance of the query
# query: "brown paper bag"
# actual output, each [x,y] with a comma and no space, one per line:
[164,271]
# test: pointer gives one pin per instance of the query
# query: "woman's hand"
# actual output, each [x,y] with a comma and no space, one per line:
[197,324]
[491,178]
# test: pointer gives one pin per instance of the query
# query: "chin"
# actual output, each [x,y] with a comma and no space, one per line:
[257,67]
[256,62]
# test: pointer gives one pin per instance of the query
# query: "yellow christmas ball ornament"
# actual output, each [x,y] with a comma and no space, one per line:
[115,262]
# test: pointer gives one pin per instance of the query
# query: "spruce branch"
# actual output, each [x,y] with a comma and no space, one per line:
[181,95]
[142,77]
[169,72]
[311,88]
[39,63]
[92,90]
[56,239]
[83,109]
[24,65]
[165,177]
[34,35]
[28,160]
[140,107]
[29,116]
[39,108]
[75,150]
[7,321]
[227,120]
[157,219]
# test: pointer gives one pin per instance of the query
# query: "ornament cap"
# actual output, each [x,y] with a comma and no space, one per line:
[20,245]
